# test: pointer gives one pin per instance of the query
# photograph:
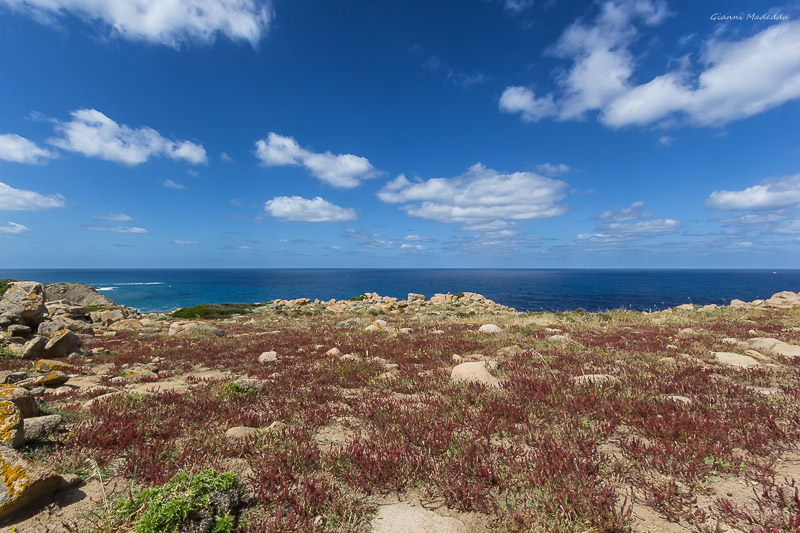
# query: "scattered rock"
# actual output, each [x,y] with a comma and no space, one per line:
[595,379]
[268,357]
[128,324]
[473,372]
[11,432]
[510,350]
[414,297]
[775,346]
[51,379]
[15,377]
[18,330]
[686,332]
[333,352]
[678,398]
[561,339]
[405,518]
[730,341]
[46,365]
[23,482]
[239,433]
[490,329]
[34,348]
[373,327]
[106,318]
[40,426]
[20,397]
[406,331]
[140,372]
[735,359]
[61,344]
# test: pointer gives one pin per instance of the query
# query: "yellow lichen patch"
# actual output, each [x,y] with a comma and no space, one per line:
[46,365]
[14,477]
[10,422]
[56,377]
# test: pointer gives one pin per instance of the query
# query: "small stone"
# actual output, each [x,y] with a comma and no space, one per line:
[17,330]
[406,331]
[510,350]
[268,357]
[15,377]
[98,351]
[686,332]
[490,329]
[40,426]
[730,341]
[140,372]
[678,398]
[333,352]
[595,379]
[671,347]
[373,327]
[117,380]
[239,433]
[457,358]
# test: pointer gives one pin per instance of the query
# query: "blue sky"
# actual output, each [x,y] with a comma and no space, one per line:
[485,133]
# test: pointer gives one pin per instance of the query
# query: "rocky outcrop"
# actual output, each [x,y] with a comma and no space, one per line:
[473,372]
[77,294]
[24,299]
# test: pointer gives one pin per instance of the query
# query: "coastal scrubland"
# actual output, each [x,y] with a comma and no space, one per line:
[323,416]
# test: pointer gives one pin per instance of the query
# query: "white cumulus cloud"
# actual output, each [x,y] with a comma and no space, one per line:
[299,209]
[169,22]
[769,194]
[12,199]
[733,79]
[93,134]
[13,228]
[479,195]
[21,150]
[339,170]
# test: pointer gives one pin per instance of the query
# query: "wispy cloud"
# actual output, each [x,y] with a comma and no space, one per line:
[345,171]
[171,24]
[358,234]
[299,209]
[169,184]
[93,134]
[21,150]
[461,79]
[114,217]
[12,228]
[117,229]
[12,199]
[185,243]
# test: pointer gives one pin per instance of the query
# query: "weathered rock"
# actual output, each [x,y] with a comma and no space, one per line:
[680,399]
[11,432]
[738,303]
[34,348]
[65,309]
[473,372]
[406,331]
[730,341]
[20,397]
[46,365]
[268,357]
[106,318]
[140,372]
[561,339]
[373,327]
[14,377]
[17,330]
[240,433]
[51,379]
[414,297]
[129,324]
[183,328]
[8,319]
[26,299]
[38,427]
[61,344]
[490,328]
[735,359]
[595,379]
[783,300]
[251,384]
[775,346]
[405,518]
[333,352]
[23,482]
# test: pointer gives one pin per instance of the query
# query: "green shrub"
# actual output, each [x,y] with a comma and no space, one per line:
[93,308]
[214,310]
[4,283]
[358,298]
[187,496]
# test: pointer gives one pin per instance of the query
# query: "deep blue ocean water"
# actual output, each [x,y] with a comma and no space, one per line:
[524,289]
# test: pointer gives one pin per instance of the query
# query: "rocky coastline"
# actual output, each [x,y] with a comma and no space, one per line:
[67,345]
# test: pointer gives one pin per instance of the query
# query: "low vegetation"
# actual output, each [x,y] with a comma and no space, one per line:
[674,439]
[4,283]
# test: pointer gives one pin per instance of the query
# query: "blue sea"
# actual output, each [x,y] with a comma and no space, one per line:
[523,289]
